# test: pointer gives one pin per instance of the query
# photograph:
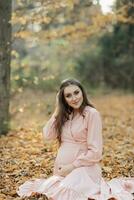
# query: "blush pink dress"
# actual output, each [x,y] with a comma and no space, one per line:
[81,146]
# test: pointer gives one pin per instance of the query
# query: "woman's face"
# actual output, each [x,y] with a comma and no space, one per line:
[73,96]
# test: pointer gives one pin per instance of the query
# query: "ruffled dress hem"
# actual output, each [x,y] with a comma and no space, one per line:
[117,188]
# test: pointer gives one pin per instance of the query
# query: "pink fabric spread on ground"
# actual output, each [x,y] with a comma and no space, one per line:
[81,145]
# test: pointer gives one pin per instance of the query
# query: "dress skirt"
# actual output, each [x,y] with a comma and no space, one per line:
[79,186]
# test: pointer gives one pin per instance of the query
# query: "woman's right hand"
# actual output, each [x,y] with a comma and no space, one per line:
[64,170]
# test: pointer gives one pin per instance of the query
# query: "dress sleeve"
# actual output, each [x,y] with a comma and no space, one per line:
[49,130]
[94,141]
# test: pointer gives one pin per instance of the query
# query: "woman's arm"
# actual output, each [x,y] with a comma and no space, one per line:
[49,130]
[94,141]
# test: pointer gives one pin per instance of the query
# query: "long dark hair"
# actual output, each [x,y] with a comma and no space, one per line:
[64,110]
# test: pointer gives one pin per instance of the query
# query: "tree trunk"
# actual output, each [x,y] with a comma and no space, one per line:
[5,57]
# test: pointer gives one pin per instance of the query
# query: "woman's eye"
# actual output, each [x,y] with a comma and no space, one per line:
[68,95]
[77,92]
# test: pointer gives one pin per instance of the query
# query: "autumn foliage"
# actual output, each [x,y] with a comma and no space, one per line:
[25,156]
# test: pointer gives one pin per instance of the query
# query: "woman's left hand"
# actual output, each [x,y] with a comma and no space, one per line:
[64,170]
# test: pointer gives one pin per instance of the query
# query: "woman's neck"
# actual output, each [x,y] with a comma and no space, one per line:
[75,112]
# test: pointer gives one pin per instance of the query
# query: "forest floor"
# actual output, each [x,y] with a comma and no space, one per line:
[24,155]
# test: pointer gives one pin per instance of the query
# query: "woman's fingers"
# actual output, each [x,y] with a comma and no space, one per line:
[57,97]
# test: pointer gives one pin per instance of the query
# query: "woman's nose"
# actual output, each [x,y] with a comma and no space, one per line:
[74,98]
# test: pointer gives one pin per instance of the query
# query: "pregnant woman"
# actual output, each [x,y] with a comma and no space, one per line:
[77,173]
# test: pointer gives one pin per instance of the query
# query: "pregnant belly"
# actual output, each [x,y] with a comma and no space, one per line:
[68,152]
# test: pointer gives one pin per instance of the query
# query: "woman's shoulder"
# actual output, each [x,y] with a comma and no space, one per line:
[90,110]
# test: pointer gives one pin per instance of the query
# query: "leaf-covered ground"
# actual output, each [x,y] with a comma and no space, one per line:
[24,155]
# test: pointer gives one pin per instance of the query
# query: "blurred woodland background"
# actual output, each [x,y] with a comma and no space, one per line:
[53,40]
[43,42]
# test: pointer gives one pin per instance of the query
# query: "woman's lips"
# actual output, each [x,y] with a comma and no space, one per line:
[75,103]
